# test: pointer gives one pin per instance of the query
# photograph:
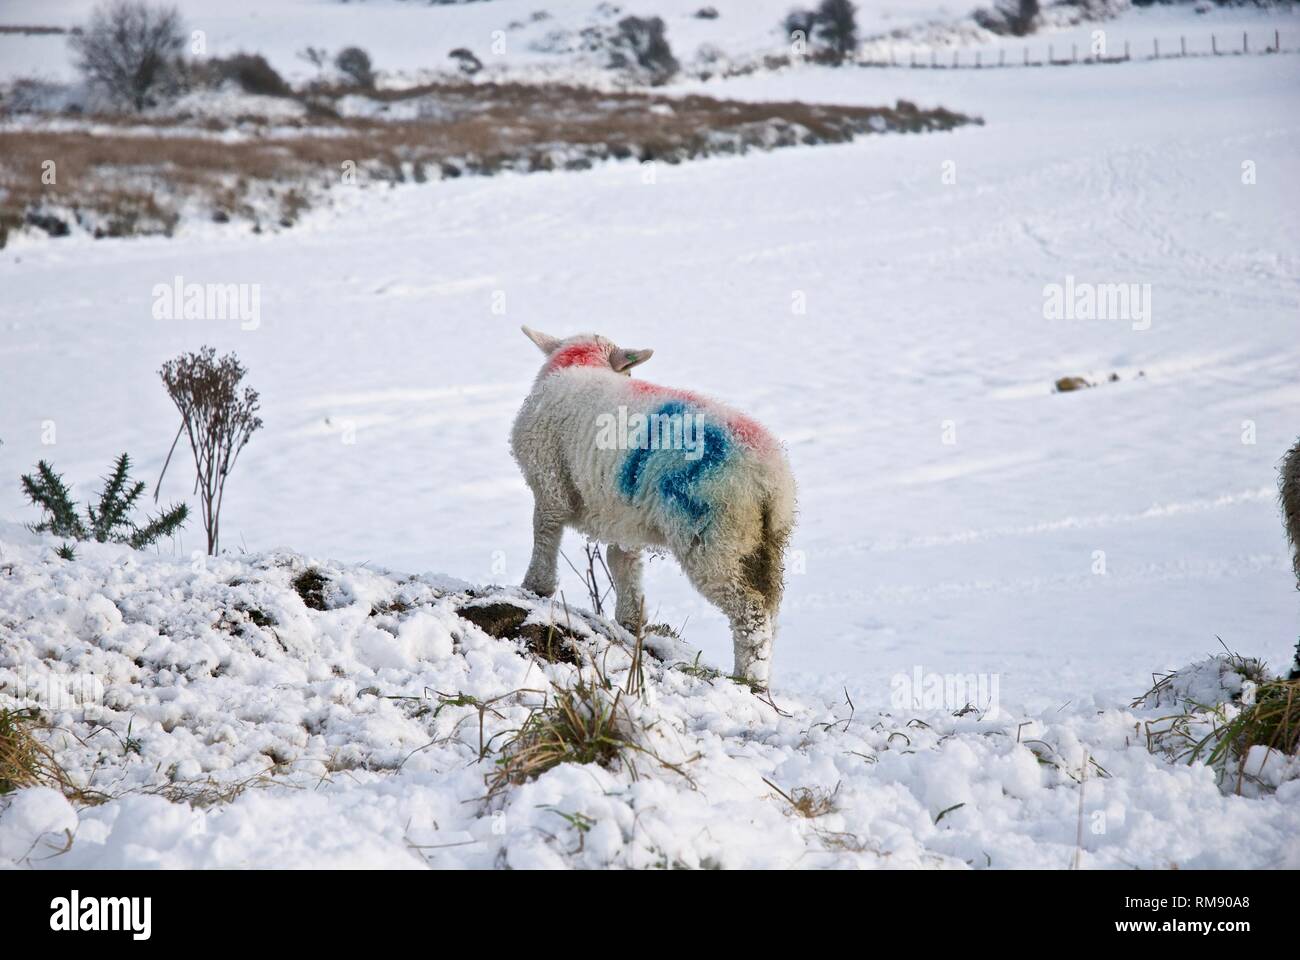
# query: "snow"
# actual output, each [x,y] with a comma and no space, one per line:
[1068,545]
[345,739]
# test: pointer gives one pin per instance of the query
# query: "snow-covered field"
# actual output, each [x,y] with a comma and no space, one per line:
[880,306]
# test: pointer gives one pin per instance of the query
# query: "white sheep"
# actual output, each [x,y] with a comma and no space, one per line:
[635,465]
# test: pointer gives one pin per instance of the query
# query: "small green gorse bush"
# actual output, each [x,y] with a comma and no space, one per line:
[106,521]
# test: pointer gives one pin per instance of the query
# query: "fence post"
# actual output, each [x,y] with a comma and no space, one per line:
[1155,45]
[1277,42]
[891,57]
[1245,44]
[1126,56]
[977,59]
[1214,45]
[1049,54]
[1026,56]
[1074,52]
[912,61]
[1002,57]
[933,59]
[1182,46]
[955,55]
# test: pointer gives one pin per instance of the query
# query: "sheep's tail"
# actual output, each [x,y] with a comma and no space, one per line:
[765,566]
[1290,496]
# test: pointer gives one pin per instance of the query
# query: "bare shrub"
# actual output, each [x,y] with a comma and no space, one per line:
[465,59]
[218,420]
[832,29]
[132,51]
[354,63]
[645,42]
[1016,18]
[251,71]
[800,23]
[837,28]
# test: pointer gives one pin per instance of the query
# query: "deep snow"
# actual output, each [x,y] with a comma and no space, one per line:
[389,382]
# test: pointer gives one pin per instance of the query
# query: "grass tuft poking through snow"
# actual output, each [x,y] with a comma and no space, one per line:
[1236,718]
[27,762]
[586,723]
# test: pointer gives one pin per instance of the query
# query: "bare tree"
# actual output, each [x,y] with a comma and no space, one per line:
[644,41]
[218,420]
[354,63]
[837,28]
[132,50]
[1017,18]
[833,26]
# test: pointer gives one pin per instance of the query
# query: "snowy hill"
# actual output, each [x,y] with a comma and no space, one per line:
[545,38]
[276,711]
[408,38]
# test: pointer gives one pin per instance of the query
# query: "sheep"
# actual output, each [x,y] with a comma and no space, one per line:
[634,465]
[1289,494]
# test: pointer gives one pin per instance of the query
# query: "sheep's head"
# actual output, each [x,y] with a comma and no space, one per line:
[587,350]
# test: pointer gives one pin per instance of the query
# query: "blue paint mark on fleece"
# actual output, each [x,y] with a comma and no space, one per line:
[680,477]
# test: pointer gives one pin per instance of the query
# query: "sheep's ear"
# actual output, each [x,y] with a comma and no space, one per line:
[624,360]
[545,342]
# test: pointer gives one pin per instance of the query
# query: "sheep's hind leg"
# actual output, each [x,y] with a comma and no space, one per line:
[625,568]
[752,627]
[752,638]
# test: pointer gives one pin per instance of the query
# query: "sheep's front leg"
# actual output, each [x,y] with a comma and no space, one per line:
[625,568]
[548,530]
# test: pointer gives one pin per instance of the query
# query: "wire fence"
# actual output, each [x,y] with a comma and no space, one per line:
[1053,55]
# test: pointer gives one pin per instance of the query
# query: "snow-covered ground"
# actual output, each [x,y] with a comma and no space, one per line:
[880,306]
[235,727]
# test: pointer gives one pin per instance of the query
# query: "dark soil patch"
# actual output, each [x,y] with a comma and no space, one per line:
[505,621]
[311,586]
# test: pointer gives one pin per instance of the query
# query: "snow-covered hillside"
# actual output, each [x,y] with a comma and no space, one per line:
[409,40]
[410,37]
[229,723]
[879,305]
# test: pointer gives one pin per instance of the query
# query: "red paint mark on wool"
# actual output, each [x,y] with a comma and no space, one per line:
[749,432]
[666,393]
[580,355]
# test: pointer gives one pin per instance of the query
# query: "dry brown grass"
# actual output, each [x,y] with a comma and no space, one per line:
[587,722]
[133,179]
[582,724]
[1272,722]
[808,802]
[27,762]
